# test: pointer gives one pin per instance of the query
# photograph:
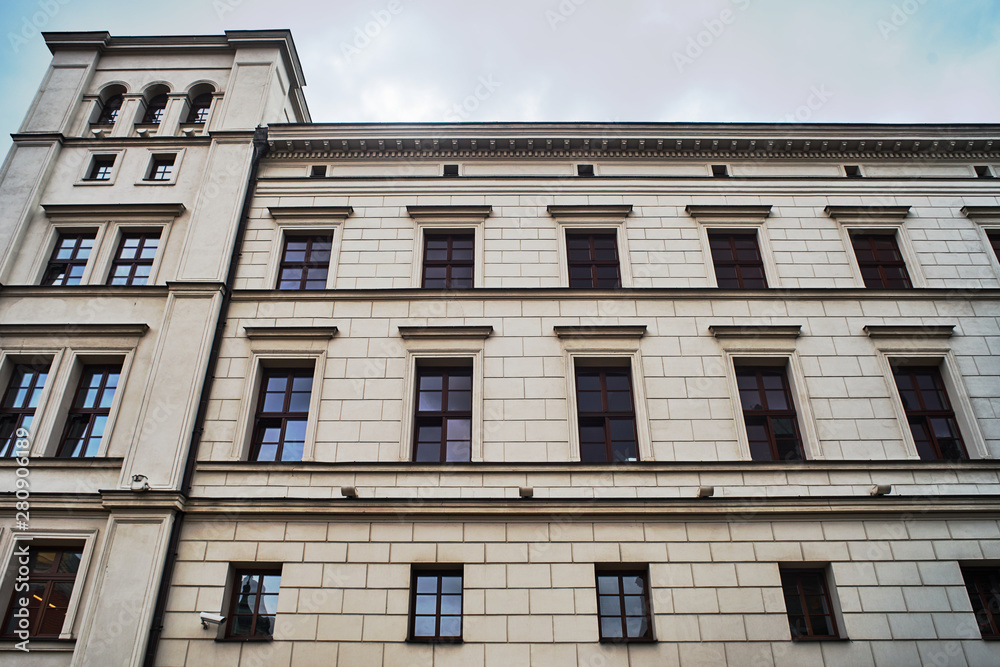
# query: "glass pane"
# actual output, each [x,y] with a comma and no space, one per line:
[451,604]
[451,626]
[427,584]
[607,584]
[637,627]
[458,450]
[609,605]
[588,381]
[611,628]
[265,626]
[593,452]
[426,604]
[423,626]
[633,585]
[460,400]
[299,401]
[589,401]
[428,452]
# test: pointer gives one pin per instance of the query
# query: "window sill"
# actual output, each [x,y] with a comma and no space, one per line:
[625,642]
[807,640]
[418,640]
[37,645]
[244,640]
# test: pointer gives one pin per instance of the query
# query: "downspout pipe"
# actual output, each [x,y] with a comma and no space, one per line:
[260,148]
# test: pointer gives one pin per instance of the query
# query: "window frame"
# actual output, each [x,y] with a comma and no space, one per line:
[619,571]
[735,219]
[881,265]
[768,414]
[50,580]
[849,227]
[992,617]
[83,178]
[306,221]
[231,599]
[148,108]
[107,370]
[284,415]
[447,223]
[605,415]
[582,220]
[122,235]
[152,155]
[438,571]
[731,235]
[65,232]
[823,574]
[8,447]
[593,263]
[443,415]
[925,415]
[450,262]
[305,264]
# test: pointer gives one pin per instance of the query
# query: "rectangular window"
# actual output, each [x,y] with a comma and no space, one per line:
[808,603]
[282,412]
[51,575]
[769,414]
[623,605]
[305,262]
[593,260]
[161,168]
[737,259]
[983,585]
[133,260]
[100,169]
[448,261]
[606,415]
[88,414]
[929,413]
[254,604]
[881,263]
[69,259]
[443,419]
[436,606]
[19,403]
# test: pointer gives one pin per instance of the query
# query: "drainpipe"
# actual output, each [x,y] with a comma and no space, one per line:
[259,151]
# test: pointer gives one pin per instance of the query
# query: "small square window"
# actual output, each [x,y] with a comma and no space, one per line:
[983,586]
[282,414]
[769,414]
[929,413]
[17,409]
[592,260]
[253,604]
[584,170]
[161,168]
[89,412]
[606,415]
[69,259]
[852,171]
[318,171]
[101,168]
[737,259]
[983,171]
[451,170]
[133,262]
[720,171]
[808,604]
[51,576]
[436,606]
[442,430]
[449,261]
[880,261]
[623,608]
[305,262]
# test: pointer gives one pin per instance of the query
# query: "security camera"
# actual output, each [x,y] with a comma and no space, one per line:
[214,619]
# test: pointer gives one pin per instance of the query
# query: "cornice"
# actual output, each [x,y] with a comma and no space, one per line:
[437,332]
[756,330]
[56,211]
[601,331]
[981,212]
[915,331]
[39,330]
[721,211]
[449,212]
[864,213]
[310,212]
[284,333]
[590,211]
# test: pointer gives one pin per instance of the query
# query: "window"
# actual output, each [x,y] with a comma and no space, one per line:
[720,171]
[155,108]
[318,171]
[254,604]
[448,261]
[881,263]
[69,259]
[110,110]
[737,259]
[451,170]
[584,170]
[19,403]
[88,414]
[929,413]
[606,415]
[198,113]
[623,605]
[593,260]
[305,262]
[983,585]
[161,168]
[436,606]
[852,171]
[443,420]
[133,261]
[282,412]
[808,603]
[994,238]
[101,168]
[983,171]
[51,574]
[769,414]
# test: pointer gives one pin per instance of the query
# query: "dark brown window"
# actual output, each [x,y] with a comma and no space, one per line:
[198,113]
[448,261]
[154,110]
[88,414]
[881,263]
[983,585]
[282,413]
[623,606]
[807,601]
[994,238]
[769,413]
[593,260]
[69,259]
[606,414]
[161,168]
[110,110]
[436,606]
[305,262]
[737,259]
[51,574]
[443,424]
[254,604]
[133,261]
[18,406]
[101,168]
[929,413]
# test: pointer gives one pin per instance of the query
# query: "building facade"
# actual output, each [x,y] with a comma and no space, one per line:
[492,394]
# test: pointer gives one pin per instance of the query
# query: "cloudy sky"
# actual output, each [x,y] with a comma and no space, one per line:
[597,60]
